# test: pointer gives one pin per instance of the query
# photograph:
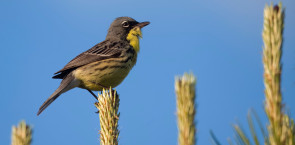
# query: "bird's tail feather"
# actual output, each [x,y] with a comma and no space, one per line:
[66,84]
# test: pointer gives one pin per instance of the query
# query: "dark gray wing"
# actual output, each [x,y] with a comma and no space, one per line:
[101,51]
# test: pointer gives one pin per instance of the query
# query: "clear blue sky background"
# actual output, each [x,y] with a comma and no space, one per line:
[219,41]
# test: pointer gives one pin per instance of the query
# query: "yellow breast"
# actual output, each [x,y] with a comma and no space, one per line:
[133,39]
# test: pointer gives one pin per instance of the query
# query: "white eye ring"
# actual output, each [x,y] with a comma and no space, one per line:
[125,24]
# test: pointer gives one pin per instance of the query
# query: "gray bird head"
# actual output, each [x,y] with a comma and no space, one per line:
[121,27]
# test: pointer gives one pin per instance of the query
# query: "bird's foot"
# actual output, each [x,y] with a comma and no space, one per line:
[96,105]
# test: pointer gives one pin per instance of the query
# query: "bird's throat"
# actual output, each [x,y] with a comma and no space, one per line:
[133,38]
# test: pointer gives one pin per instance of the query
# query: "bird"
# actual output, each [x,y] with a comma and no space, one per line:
[104,65]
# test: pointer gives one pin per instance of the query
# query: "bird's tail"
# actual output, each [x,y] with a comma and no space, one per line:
[66,84]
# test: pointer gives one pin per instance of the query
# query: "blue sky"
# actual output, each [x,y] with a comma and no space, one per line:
[219,41]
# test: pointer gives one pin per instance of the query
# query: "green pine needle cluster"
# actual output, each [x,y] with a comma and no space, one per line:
[186,108]
[108,106]
[21,134]
[280,130]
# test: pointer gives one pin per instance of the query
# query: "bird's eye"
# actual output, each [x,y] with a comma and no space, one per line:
[125,24]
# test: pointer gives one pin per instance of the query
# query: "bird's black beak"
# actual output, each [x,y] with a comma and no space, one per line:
[142,24]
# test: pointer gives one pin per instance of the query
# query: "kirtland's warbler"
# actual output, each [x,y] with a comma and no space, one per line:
[104,65]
